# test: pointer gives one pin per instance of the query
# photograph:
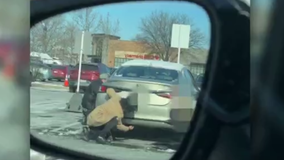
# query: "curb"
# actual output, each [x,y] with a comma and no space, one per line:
[44,85]
[50,89]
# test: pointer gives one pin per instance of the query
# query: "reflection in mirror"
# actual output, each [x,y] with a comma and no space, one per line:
[123,75]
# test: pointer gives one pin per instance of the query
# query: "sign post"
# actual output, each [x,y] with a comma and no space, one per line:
[180,38]
[83,45]
[80,62]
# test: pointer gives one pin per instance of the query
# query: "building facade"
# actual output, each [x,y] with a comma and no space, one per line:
[120,51]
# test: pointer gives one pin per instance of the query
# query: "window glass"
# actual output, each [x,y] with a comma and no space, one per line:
[88,67]
[119,61]
[148,73]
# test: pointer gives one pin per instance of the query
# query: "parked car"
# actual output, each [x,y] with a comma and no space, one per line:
[40,71]
[164,102]
[199,80]
[58,72]
[89,73]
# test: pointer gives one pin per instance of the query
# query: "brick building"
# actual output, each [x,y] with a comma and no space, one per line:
[114,52]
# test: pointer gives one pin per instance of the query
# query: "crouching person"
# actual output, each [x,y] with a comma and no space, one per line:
[106,117]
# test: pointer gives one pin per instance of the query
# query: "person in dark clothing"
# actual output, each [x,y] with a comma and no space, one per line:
[89,101]
[102,134]
[90,95]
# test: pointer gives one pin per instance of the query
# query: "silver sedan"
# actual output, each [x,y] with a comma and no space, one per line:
[155,94]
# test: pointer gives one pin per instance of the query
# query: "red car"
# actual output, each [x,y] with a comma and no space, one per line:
[89,73]
[58,72]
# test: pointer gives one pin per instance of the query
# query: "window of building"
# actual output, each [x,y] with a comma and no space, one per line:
[119,61]
[197,68]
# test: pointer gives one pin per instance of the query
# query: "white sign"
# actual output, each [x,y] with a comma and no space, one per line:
[180,37]
[87,46]
[83,45]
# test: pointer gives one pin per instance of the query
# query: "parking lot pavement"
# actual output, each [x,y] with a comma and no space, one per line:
[55,82]
[51,122]
[47,109]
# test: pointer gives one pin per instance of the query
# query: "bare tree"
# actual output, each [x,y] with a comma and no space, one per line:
[47,34]
[68,38]
[155,32]
[68,41]
[86,19]
[108,26]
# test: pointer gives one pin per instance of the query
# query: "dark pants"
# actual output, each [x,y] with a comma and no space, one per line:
[103,131]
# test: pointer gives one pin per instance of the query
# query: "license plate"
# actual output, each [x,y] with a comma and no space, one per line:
[83,81]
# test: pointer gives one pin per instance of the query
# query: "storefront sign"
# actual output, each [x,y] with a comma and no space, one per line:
[137,56]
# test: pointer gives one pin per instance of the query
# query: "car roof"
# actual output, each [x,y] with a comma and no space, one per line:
[154,63]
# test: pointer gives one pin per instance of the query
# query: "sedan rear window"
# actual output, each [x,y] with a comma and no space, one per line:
[148,73]
[88,67]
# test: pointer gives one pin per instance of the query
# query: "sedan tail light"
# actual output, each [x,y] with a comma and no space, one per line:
[165,95]
[103,89]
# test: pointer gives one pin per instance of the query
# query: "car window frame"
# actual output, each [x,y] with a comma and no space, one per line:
[113,75]
[187,75]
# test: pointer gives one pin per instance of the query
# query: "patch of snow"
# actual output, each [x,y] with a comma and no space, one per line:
[36,155]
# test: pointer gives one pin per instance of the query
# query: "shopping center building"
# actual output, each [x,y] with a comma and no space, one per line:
[114,51]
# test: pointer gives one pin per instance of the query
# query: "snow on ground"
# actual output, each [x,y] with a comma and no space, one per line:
[52,123]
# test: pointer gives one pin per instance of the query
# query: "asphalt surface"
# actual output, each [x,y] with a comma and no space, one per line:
[52,123]
[55,82]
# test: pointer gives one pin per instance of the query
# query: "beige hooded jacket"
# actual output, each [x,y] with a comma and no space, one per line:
[105,112]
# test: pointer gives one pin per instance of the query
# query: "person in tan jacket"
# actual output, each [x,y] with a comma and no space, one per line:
[107,116]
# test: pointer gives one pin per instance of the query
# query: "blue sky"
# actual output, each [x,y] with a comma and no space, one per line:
[130,14]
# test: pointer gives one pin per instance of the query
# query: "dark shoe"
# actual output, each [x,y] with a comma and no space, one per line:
[101,140]
[109,139]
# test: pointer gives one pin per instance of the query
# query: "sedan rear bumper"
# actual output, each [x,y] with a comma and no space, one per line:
[82,84]
[177,124]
